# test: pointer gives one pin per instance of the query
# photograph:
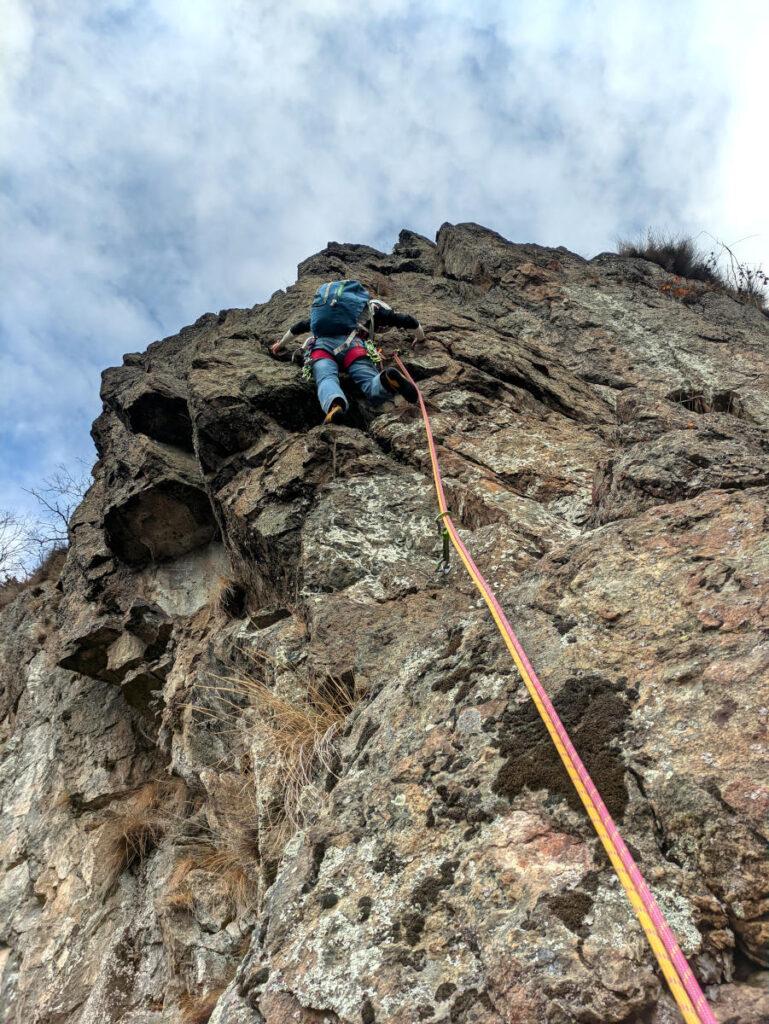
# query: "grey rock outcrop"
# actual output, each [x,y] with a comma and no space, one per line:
[261,764]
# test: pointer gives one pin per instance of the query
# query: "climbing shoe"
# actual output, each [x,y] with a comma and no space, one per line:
[394,382]
[335,413]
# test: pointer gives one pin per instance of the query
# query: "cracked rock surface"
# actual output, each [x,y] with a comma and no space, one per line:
[171,854]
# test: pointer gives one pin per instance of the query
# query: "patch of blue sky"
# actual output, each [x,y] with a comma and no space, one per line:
[174,158]
[137,17]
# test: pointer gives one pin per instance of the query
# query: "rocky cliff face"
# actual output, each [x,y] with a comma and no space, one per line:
[261,764]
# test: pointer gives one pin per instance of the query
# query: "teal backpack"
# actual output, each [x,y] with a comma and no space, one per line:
[338,308]
[342,309]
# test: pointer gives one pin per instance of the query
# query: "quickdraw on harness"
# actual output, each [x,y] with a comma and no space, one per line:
[353,339]
[682,983]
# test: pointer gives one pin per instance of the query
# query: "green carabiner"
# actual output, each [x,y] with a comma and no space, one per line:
[444,564]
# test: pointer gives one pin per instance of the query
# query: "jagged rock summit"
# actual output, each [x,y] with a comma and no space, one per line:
[261,764]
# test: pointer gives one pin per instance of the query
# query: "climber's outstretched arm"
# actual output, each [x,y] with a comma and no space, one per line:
[300,327]
[386,317]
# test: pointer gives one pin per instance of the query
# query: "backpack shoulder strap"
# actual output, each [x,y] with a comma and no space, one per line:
[371,307]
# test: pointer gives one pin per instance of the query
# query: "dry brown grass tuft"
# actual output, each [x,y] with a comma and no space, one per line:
[296,741]
[199,1008]
[270,788]
[226,842]
[177,894]
[181,899]
[304,726]
[130,834]
[234,853]
[229,598]
[238,873]
[301,733]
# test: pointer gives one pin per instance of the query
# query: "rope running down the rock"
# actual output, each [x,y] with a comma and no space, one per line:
[682,983]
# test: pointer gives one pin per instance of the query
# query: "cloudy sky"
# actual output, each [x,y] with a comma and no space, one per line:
[164,158]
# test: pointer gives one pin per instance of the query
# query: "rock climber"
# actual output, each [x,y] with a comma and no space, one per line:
[343,319]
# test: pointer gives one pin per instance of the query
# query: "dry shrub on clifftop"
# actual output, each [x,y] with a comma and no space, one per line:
[676,254]
[719,270]
[15,548]
[19,543]
[48,569]
[9,591]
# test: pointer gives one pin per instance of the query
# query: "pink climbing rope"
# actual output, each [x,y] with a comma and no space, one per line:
[678,974]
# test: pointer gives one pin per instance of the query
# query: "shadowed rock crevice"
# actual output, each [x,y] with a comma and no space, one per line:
[152,404]
[680,464]
[705,400]
[159,523]
[165,419]
[528,379]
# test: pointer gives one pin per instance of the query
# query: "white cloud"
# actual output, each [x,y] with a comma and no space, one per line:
[167,157]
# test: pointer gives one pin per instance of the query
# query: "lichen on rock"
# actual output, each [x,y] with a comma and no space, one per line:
[260,763]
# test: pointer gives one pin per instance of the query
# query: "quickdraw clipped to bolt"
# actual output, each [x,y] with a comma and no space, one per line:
[444,563]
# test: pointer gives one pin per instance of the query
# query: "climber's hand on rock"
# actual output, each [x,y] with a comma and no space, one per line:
[277,351]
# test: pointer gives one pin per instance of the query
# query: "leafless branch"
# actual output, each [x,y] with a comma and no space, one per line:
[749,282]
[16,545]
[58,497]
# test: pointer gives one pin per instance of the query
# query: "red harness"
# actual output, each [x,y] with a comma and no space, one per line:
[355,351]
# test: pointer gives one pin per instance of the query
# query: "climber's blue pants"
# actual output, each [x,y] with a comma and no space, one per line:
[362,371]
